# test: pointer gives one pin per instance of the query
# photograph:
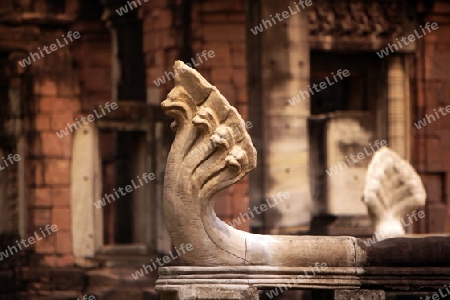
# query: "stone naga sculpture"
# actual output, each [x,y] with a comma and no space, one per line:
[211,151]
[392,190]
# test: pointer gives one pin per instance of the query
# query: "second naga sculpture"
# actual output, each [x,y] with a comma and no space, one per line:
[194,173]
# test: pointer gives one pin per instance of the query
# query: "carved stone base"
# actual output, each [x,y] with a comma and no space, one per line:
[349,295]
[244,282]
[209,291]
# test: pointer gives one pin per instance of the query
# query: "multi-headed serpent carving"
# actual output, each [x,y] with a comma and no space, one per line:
[196,172]
[392,190]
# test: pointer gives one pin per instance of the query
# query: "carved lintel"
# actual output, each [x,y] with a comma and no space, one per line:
[360,24]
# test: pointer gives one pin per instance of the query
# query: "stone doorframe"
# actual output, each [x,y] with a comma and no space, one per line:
[279,70]
[399,105]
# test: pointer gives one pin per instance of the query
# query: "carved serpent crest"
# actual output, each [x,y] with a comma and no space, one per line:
[211,151]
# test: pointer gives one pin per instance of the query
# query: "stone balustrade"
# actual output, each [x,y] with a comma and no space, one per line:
[227,263]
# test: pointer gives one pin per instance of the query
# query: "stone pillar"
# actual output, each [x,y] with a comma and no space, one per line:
[17,96]
[398,107]
[87,221]
[4,212]
[284,73]
[13,210]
